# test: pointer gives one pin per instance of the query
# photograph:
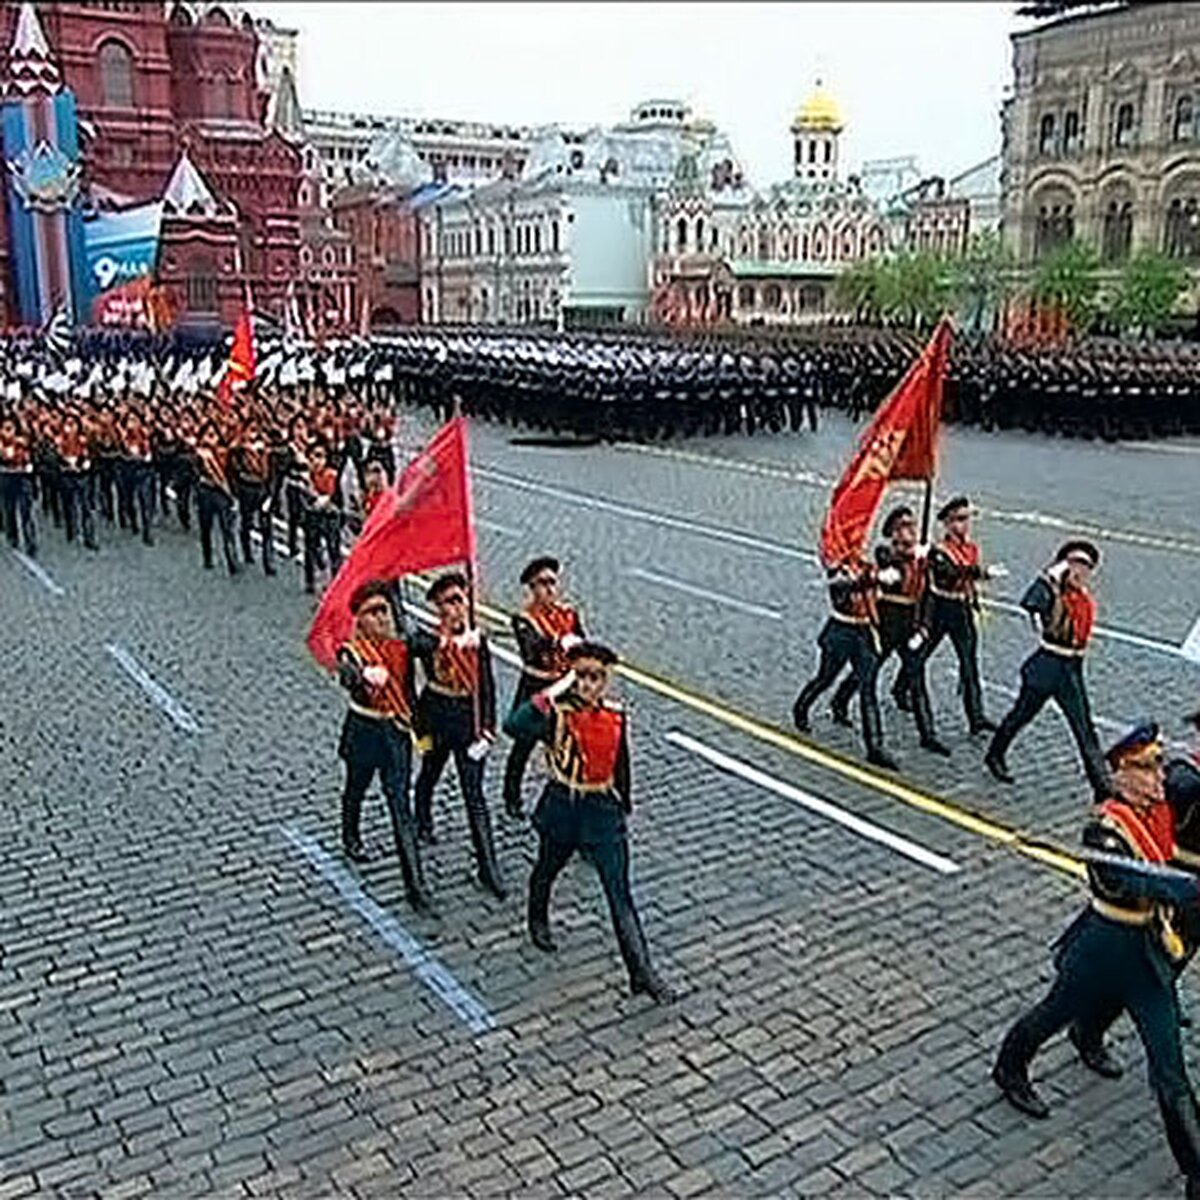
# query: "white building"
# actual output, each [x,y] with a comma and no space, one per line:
[568,242]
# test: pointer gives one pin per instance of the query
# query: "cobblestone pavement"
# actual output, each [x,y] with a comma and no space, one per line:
[190,1004]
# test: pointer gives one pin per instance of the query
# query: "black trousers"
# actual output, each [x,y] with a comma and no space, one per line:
[214,504]
[371,746]
[592,825]
[135,495]
[1106,968]
[1049,676]
[184,478]
[897,624]
[16,499]
[75,489]
[293,503]
[840,643]
[322,542]
[956,619]
[470,783]
[250,500]
[106,481]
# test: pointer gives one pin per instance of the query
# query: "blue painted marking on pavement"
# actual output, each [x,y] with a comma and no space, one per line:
[432,973]
[159,694]
[39,573]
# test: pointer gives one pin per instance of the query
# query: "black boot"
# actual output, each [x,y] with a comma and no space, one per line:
[800,717]
[998,767]
[935,747]
[485,850]
[415,890]
[873,735]
[539,935]
[1019,1092]
[650,984]
[1095,1056]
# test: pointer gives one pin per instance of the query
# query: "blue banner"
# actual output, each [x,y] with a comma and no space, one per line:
[120,247]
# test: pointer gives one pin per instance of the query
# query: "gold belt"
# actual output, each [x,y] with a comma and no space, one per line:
[962,597]
[375,715]
[538,673]
[837,616]
[1064,651]
[1125,916]
[585,789]
[885,598]
[443,690]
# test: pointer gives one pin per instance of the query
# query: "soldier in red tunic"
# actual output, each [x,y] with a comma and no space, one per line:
[955,573]
[74,480]
[376,669]
[585,804]
[16,485]
[546,628]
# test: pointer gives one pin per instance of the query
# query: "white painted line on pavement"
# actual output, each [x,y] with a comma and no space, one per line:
[1191,644]
[159,694]
[831,812]
[717,533]
[1102,631]
[39,573]
[667,581]
[424,965]
[1161,447]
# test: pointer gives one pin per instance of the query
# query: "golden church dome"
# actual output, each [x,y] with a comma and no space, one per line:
[819,113]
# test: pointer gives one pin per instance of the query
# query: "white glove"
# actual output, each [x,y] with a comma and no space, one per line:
[569,640]
[1057,571]
[376,676]
[889,575]
[266,505]
[467,640]
[922,551]
[478,749]
[999,571]
[917,640]
[565,684]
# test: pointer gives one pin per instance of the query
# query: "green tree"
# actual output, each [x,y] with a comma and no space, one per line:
[1068,278]
[913,288]
[856,289]
[981,280]
[1147,291]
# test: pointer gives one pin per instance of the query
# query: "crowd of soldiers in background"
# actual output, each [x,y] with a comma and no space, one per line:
[119,423]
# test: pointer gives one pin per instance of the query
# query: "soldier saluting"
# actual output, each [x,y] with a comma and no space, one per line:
[546,629]
[376,668]
[1061,600]
[956,570]
[586,801]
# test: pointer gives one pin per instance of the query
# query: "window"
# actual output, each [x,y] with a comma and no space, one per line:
[491,240]
[1072,140]
[772,297]
[700,235]
[1055,225]
[1117,234]
[478,241]
[812,152]
[745,296]
[116,75]
[200,287]
[220,100]
[537,238]
[1124,134]
[554,237]
[1046,134]
[829,151]
[1182,233]
[681,238]
[1184,119]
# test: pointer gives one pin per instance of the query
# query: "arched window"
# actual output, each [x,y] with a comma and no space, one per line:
[554,235]
[772,297]
[1117,234]
[1184,119]
[812,152]
[1055,225]
[1046,134]
[829,151]
[1123,133]
[220,97]
[491,240]
[537,238]
[745,296]
[1071,135]
[764,244]
[700,235]
[1182,232]
[116,75]
[681,237]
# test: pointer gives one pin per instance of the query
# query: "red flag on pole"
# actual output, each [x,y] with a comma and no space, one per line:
[900,443]
[423,520]
[239,370]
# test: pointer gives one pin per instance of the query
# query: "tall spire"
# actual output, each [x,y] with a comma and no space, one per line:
[31,67]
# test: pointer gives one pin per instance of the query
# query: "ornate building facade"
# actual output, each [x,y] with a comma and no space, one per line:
[1102,134]
[153,80]
[567,243]
[726,252]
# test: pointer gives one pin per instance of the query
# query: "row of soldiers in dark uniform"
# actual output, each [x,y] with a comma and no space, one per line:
[561,703]
[1126,950]
[317,465]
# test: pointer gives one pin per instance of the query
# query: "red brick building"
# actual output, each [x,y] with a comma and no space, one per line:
[152,80]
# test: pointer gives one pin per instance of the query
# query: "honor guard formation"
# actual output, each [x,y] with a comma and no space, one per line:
[116,435]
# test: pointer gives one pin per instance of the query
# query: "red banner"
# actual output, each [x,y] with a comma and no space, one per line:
[239,370]
[900,443]
[424,520]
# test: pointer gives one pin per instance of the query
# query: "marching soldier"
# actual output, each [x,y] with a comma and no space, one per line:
[376,669]
[955,572]
[851,635]
[456,715]
[74,469]
[250,475]
[1062,601]
[899,628]
[135,477]
[1121,953]
[322,519]
[585,804]
[16,485]
[214,500]
[546,629]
